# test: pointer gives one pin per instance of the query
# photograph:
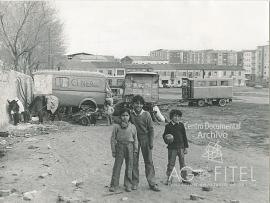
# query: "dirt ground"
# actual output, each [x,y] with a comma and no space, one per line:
[74,162]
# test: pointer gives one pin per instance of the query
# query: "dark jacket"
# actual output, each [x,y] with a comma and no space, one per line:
[179,135]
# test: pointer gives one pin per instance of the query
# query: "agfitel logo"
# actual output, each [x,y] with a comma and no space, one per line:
[213,152]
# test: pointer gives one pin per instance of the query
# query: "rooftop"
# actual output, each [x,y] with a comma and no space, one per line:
[182,67]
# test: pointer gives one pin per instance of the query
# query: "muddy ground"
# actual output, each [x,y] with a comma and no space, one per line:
[74,162]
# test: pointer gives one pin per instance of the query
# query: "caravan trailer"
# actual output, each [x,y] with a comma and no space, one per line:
[217,91]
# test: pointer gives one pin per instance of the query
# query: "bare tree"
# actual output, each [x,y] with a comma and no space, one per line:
[30,34]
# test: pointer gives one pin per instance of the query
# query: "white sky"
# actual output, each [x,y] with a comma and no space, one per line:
[123,28]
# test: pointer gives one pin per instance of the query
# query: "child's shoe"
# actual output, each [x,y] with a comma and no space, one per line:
[186,182]
[112,189]
[128,189]
[168,181]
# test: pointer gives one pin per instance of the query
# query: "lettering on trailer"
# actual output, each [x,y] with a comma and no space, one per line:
[83,83]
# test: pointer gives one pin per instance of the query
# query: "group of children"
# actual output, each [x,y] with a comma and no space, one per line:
[134,132]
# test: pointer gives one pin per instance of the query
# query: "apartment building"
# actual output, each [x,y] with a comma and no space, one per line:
[262,63]
[172,74]
[222,57]
[160,53]
[249,64]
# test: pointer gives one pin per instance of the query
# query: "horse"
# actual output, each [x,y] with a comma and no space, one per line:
[15,110]
[39,106]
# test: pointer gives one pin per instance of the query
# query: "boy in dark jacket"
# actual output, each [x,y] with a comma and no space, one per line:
[178,147]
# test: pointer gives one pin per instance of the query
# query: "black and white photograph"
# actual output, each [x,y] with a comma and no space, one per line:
[149,101]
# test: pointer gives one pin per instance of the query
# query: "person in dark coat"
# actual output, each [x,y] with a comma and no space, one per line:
[178,147]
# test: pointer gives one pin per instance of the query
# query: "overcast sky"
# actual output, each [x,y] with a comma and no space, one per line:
[123,28]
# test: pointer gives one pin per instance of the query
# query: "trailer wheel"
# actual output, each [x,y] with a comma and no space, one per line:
[84,121]
[201,103]
[222,102]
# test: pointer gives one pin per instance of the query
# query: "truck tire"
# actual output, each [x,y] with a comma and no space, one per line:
[89,105]
[222,102]
[84,121]
[201,103]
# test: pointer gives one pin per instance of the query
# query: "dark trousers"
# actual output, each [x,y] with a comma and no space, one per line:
[123,151]
[148,162]
[172,154]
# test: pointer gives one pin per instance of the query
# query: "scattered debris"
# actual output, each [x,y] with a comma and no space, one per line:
[88,199]
[49,147]
[197,172]
[67,199]
[3,142]
[32,147]
[13,190]
[77,183]
[234,201]
[43,175]
[124,198]
[196,197]
[4,193]
[8,147]
[45,165]
[4,134]
[29,195]
[112,193]
[27,135]
[207,188]
[210,170]
[31,139]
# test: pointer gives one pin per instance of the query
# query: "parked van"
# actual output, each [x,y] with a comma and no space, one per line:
[81,89]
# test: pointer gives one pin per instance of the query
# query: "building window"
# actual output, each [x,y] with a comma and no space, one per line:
[120,72]
[190,75]
[184,74]
[224,83]
[101,71]
[232,73]
[201,83]
[109,82]
[212,83]
[239,73]
[120,82]
[109,72]
[61,82]
[209,73]
[224,73]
